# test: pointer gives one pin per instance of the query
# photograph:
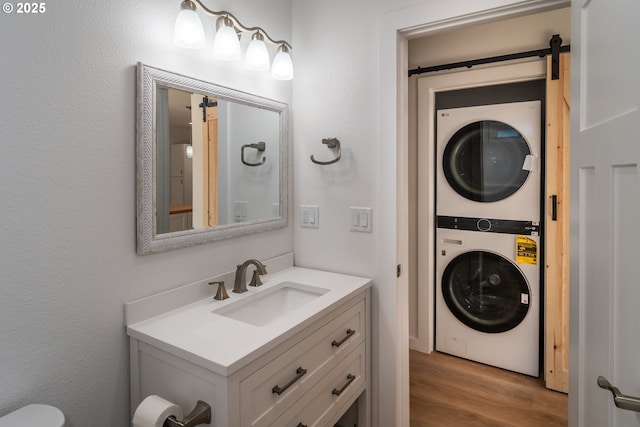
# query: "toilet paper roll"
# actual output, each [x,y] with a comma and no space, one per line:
[154,410]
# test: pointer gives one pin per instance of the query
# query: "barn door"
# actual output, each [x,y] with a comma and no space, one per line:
[557,229]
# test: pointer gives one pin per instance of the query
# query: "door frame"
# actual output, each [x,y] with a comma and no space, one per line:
[397,28]
[488,76]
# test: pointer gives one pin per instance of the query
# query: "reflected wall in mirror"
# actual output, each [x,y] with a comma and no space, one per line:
[211,162]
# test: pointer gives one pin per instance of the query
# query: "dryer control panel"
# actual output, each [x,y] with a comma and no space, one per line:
[529,228]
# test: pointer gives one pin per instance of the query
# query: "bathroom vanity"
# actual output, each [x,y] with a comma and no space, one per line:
[292,352]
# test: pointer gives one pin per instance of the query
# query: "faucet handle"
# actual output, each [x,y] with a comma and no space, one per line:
[221,294]
[255,279]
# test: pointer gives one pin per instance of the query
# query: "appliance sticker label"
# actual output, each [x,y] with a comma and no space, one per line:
[529,163]
[526,250]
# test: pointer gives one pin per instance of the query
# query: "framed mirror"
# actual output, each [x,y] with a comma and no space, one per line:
[211,162]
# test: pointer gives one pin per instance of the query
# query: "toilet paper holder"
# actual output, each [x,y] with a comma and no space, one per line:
[201,414]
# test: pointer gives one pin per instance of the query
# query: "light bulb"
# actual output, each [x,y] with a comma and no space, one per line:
[282,68]
[226,45]
[257,56]
[188,31]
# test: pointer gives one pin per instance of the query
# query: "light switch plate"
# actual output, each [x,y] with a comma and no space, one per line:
[240,210]
[360,219]
[309,216]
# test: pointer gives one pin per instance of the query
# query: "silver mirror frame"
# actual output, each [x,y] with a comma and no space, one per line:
[148,241]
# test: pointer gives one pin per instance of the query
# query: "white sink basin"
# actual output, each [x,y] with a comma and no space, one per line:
[270,304]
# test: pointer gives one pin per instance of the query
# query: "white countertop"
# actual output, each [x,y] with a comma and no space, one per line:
[223,345]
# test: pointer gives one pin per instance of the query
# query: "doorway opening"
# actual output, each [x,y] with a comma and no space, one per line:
[462,43]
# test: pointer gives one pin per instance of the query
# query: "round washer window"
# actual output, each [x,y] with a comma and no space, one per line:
[485,291]
[484,161]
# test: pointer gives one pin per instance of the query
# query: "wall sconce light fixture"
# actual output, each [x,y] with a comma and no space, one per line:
[188,32]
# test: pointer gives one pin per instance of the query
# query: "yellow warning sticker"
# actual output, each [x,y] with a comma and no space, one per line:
[526,250]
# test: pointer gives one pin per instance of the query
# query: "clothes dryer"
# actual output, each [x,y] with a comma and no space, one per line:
[488,294]
[488,161]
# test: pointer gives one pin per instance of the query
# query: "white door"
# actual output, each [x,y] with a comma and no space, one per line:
[605,207]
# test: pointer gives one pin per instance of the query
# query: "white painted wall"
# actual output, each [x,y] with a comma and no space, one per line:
[67,204]
[350,83]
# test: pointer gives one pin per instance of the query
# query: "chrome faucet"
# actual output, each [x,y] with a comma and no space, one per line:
[240,282]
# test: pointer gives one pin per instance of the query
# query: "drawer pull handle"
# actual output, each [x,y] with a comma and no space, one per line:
[299,374]
[350,379]
[350,333]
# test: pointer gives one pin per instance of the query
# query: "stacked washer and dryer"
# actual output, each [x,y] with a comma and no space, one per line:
[488,195]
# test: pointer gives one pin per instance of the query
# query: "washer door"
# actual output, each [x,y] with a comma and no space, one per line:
[485,291]
[485,161]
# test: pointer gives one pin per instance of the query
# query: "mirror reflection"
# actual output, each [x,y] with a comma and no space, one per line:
[217,161]
[211,162]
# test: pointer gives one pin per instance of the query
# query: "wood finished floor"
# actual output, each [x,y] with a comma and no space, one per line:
[447,391]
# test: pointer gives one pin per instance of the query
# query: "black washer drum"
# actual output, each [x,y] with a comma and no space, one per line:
[486,291]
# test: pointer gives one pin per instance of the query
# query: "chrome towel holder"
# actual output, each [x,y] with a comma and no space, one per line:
[331,143]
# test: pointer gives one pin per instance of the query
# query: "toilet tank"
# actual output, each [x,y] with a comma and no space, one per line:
[34,415]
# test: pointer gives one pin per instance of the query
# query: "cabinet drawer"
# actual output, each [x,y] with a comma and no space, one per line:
[335,391]
[268,392]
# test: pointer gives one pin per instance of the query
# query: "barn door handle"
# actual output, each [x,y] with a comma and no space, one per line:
[623,402]
[554,208]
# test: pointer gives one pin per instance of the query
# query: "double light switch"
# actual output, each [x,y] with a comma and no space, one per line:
[361,220]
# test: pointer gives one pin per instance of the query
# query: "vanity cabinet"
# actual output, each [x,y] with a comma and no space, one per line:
[309,378]
[268,393]
[330,396]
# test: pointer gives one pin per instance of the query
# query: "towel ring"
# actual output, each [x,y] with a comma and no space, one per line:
[331,143]
[260,146]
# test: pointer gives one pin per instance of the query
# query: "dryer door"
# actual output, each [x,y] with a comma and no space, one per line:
[486,161]
[485,291]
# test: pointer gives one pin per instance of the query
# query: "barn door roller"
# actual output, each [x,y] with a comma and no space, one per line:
[555,43]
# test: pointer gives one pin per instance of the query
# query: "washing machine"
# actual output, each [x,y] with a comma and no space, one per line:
[488,161]
[488,292]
